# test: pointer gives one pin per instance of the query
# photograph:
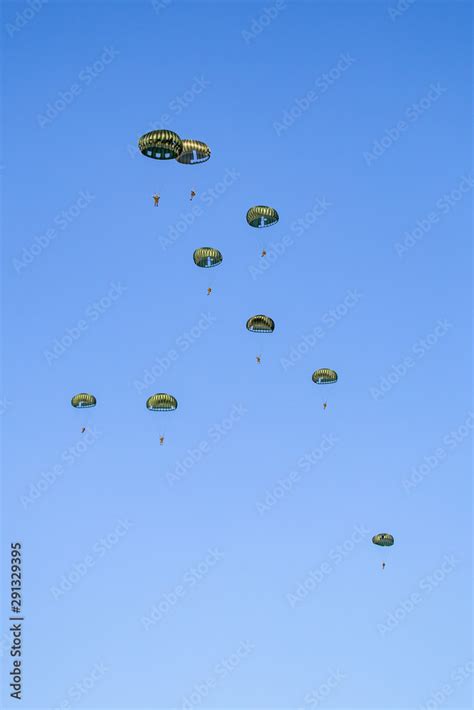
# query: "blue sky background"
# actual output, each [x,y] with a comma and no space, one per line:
[392,450]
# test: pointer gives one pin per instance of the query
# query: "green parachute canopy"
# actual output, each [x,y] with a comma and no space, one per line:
[207,257]
[324,376]
[383,539]
[83,400]
[260,324]
[161,145]
[194,152]
[161,403]
[260,216]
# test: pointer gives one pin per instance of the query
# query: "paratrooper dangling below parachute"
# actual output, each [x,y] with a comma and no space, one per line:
[260,324]
[324,376]
[206,258]
[261,216]
[161,402]
[83,401]
[383,540]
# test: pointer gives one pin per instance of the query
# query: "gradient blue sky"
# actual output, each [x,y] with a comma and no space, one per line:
[337,633]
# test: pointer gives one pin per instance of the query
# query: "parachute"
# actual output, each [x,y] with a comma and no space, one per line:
[193,152]
[383,539]
[83,401]
[161,403]
[207,257]
[324,376]
[260,324]
[161,145]
[260,216]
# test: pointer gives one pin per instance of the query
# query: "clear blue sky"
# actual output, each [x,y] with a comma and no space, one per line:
[224,569]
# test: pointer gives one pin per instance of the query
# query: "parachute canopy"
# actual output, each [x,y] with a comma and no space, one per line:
[207,257]
[324,376]
[161,145]
[161,403]
[83,400]
[383,539]
[194,152]
[260,216]
[260,324]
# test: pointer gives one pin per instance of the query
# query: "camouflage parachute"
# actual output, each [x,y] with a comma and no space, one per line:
[193,152]
[260,324]
[261,216]
[383,539]
[161,145]
[161,402]
[207,257]
[83,400]
[324,376]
